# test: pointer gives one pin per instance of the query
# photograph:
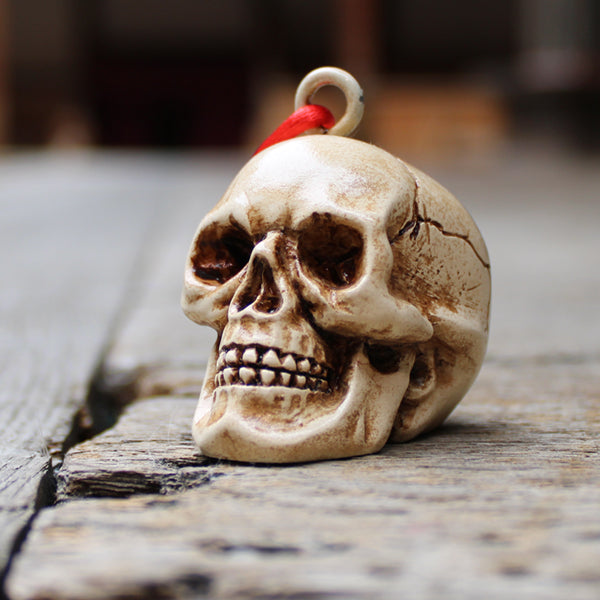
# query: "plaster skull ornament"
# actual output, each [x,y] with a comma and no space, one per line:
[350,294]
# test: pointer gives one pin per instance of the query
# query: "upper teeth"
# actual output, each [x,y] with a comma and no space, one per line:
[257,365]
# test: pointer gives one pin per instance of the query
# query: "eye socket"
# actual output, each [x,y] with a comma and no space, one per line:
[220,254]
[331,251]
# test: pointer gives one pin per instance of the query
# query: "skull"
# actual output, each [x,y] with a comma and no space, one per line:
[350,294]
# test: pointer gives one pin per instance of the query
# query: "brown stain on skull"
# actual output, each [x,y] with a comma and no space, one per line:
[428,277]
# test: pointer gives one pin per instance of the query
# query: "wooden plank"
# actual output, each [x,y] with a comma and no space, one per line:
[26,483]
[69,243]
[505,498]
[98,467]
[71,228]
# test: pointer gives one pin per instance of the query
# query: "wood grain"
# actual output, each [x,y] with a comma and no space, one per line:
[505,498]
[72,230]
[26,483]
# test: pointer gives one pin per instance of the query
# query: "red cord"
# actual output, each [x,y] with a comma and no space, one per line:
[305,118]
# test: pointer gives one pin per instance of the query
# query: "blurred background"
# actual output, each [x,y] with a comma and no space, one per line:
[442,78]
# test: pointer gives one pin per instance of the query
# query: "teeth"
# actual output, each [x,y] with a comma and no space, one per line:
[289,363]
[270,359]
[267,376]
[229,375]
[304,365]
[232,357]
[238,365]
[250,356]
[247,375]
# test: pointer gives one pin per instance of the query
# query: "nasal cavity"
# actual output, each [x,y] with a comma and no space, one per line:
[260,290]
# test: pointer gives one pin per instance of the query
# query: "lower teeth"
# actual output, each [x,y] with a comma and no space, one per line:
[268,378]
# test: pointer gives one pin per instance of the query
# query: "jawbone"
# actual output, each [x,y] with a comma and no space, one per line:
[250,411]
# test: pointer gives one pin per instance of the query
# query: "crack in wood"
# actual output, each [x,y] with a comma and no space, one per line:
[45,496]
[127,483]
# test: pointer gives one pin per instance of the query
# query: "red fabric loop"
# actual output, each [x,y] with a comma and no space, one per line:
[305,118]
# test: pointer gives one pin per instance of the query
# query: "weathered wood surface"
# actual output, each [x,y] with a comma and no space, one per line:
[68,246]
[72,230]
[502,502]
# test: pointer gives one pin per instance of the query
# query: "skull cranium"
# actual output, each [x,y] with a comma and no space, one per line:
[350,294]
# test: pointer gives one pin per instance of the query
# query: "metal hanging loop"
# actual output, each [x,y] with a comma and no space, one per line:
[346,83]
